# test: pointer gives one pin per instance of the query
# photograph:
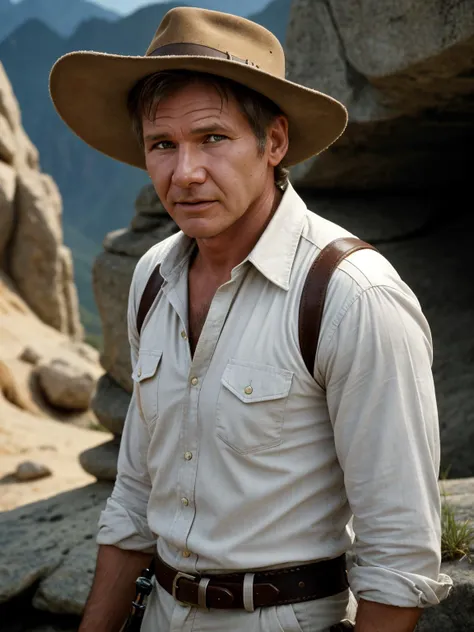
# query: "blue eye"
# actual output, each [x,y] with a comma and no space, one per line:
[216,137]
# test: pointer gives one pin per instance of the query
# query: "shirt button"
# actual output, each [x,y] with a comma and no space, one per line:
[139,372]
[188,456]
[194,381]
[248,390]
[185,501]
[183,335]
[186,554]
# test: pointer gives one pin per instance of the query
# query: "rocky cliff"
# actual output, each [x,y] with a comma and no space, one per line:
[32,252]
[404,70]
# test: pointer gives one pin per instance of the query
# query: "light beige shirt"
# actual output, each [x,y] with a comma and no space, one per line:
[238,458]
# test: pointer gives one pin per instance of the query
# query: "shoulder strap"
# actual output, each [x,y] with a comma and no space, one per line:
[312,298]
[154,283]
[314,293]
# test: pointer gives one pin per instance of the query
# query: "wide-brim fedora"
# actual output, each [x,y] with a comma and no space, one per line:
[90,89]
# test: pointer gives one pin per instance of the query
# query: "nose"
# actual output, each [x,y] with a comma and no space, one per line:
[188,169]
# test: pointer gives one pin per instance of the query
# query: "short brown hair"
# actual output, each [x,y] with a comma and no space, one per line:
[257,109]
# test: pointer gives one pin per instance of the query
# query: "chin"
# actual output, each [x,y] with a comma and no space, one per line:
[199,230]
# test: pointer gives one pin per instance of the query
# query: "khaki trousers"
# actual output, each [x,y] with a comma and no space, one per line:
[164,614]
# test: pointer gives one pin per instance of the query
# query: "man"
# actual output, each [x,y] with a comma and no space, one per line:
[239,469]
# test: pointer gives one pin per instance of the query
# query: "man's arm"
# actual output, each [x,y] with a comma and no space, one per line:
[113,589]
[376,364]
[378,617]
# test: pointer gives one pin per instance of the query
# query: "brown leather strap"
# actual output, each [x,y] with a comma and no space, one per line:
[314,293]
[150,292]
[270,588]
[199,50]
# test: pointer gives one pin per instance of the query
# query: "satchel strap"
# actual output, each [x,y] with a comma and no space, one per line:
[314,293]
[312,298]
[150,292]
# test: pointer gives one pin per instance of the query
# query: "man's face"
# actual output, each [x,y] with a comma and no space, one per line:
[203,160]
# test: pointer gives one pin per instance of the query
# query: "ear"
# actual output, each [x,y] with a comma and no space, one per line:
[277,143]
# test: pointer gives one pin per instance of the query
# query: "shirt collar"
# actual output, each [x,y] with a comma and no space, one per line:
[274,253]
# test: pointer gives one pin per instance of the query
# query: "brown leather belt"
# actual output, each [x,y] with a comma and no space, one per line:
[255,590]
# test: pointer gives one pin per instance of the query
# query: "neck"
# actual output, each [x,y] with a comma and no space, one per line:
[217,256]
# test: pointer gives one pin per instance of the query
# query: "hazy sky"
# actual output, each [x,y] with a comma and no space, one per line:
[125,6]
[120,6]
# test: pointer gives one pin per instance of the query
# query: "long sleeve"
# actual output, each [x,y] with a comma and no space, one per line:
[382,404]
[124,520]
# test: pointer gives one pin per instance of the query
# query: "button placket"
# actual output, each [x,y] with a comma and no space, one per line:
[189,435]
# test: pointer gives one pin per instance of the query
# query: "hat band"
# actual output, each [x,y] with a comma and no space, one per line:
[198,50]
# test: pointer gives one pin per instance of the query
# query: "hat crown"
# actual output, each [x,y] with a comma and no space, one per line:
[229,34]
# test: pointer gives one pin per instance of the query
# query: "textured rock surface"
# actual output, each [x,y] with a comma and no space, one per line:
[101,461]
[66,386]
[31,248]
[38,542]
[7,209]
[110,404]
[112,275]
[404,71]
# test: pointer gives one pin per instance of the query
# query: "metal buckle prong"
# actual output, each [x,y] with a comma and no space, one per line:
[176,579]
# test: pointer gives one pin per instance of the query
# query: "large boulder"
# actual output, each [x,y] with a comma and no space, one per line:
[112,275]
[404,71]
[50,546]
[110,404]
[31,239]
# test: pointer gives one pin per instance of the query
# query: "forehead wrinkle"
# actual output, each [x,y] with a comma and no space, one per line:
[187,113]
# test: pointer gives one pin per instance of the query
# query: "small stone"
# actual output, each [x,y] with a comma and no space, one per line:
[31,471]
[66,386]
[30,356]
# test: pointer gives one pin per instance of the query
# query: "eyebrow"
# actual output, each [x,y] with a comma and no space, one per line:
[196,131]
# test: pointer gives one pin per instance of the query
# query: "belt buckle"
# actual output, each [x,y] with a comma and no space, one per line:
[179,575]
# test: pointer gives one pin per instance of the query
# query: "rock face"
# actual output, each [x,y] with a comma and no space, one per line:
[404,71]
[31,248]
[112,276]
[52,542]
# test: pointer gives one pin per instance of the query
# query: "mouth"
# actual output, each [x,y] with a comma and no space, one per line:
[194,205]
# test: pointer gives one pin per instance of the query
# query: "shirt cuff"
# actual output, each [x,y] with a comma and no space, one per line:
[397,588]
[125,529]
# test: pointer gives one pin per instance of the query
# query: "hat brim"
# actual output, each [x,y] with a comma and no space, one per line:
[90,90]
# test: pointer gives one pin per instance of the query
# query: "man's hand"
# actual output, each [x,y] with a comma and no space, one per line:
[113,589]
[378,617]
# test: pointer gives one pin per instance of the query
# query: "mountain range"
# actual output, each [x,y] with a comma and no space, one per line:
[98,192]
[63,16]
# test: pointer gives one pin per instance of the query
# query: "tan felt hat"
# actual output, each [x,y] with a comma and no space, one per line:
[90,89]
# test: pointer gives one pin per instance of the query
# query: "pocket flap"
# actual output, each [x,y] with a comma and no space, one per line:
[252,382]
[146,366]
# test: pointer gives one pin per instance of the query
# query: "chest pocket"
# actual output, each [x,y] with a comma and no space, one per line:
[251,406]
[146,377]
